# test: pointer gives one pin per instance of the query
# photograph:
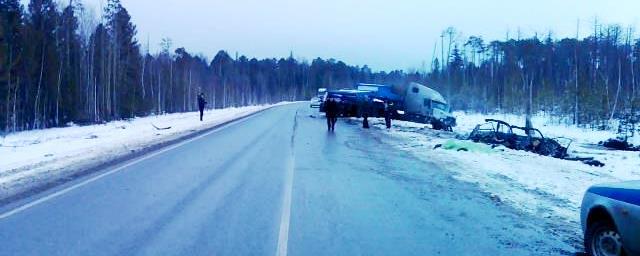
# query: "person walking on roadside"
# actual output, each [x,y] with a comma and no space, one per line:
[201,104]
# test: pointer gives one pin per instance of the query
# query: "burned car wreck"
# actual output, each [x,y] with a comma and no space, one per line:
[497,132]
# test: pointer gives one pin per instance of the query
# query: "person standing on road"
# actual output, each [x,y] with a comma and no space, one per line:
[328,111]
[334,118]
[331,113]
[201,104]
[366,108]
[387,114]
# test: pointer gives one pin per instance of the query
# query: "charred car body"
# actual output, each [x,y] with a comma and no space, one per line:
[497,132]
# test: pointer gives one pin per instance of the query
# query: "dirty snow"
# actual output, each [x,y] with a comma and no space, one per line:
[32,157]
[544,186]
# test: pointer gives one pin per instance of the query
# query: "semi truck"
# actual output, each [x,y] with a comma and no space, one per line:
[418,103]
[425,105]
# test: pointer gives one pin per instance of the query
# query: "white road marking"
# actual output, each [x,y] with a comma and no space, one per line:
[91,180]
[285,218]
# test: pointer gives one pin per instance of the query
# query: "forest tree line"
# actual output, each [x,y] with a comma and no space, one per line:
[588,81]
[61,64]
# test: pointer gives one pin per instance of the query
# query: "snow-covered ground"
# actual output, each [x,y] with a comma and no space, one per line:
[34,157]
[539,185]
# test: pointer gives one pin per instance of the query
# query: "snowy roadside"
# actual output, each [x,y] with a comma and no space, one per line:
[32,158]
[539,185]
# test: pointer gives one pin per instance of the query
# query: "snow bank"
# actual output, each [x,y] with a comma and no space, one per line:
[540,185]
[32,157]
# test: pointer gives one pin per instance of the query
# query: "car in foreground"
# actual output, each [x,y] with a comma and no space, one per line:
[610,216]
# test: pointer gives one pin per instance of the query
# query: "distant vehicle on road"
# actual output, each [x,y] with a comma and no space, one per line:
[611,219]
[316,102]
[425,105]
[319,98]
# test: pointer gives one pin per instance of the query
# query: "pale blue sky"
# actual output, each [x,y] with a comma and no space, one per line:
[383,34]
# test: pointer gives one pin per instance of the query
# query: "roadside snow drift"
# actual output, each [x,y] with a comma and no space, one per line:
[35,157]
[539,185]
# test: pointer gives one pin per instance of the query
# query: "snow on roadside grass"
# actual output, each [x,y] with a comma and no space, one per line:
[540,185]
[30,157]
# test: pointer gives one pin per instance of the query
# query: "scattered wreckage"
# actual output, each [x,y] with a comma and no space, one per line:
[619,144]
[497,132]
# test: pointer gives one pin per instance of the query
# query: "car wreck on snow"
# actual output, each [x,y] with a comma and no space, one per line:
[497,132]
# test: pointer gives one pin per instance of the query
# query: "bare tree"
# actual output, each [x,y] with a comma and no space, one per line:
[576,107]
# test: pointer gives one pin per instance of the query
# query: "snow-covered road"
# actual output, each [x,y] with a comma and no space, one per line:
[352,192]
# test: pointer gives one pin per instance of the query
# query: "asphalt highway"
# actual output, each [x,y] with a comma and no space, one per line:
[276,183]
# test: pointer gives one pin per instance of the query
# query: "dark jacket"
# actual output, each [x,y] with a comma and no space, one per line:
[201,102]
[331,108]
[365,107]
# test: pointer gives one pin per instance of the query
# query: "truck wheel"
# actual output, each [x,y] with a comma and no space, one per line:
[436,126]
[602,239]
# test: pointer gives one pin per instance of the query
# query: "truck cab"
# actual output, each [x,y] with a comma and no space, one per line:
[426,105]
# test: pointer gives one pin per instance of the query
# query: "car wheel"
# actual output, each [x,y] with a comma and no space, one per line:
[602,239]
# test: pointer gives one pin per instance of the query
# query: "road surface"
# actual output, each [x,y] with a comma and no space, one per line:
[276,183]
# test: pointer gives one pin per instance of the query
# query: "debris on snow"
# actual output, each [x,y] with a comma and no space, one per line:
[458,145]
[619,144]
[160,128]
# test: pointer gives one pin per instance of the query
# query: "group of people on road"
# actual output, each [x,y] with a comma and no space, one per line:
[365,109]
